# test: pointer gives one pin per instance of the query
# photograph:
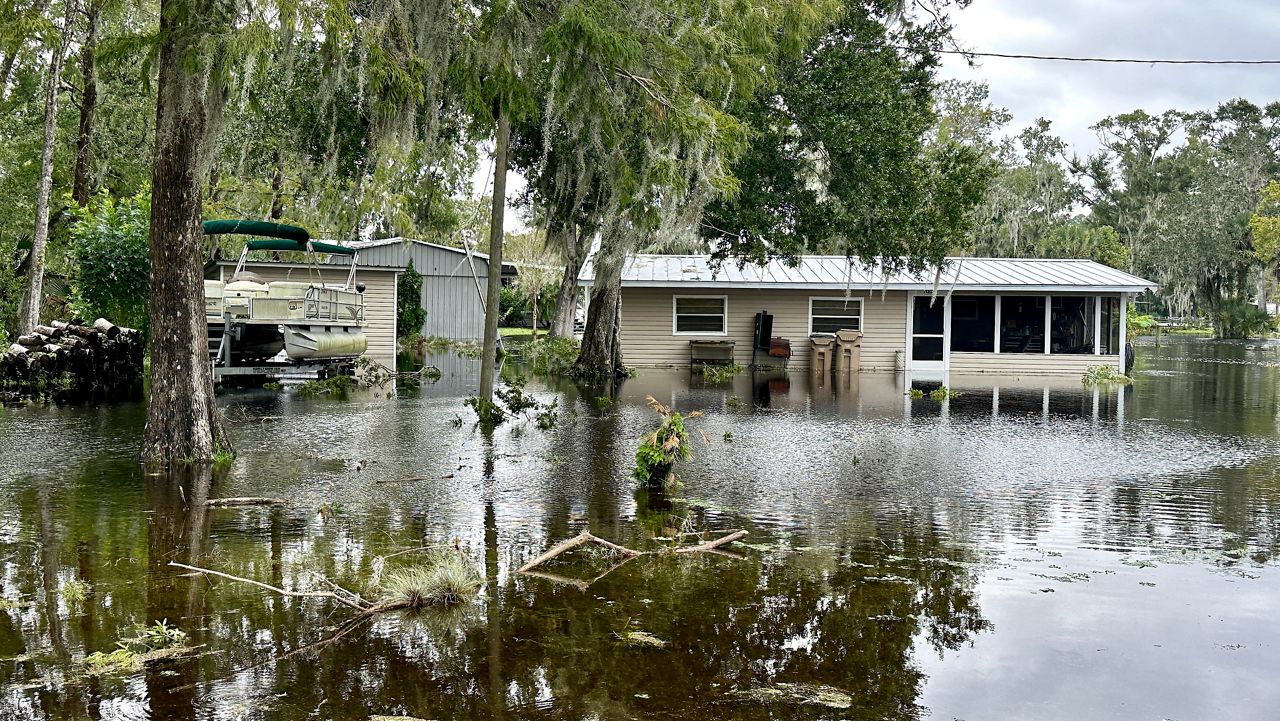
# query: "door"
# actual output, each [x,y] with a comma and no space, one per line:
[929,320]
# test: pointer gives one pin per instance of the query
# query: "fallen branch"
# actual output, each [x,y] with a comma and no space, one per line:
[712,545]
[348,598]
[246,501]
[587,537]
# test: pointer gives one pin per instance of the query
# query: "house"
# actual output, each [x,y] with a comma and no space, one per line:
[453,284]
[977,315]
[379,294]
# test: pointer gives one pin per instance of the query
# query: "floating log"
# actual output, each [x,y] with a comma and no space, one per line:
[245,501]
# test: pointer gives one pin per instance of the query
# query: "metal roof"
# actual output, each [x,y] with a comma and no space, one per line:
[829,272]
[362,244]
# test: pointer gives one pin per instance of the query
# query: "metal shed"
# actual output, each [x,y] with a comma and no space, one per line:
[452,293]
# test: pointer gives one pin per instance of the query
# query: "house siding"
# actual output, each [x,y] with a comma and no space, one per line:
[647,339]
[379,300]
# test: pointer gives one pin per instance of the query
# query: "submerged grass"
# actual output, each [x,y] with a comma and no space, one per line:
[1104,374]
[445,579]
[720,374]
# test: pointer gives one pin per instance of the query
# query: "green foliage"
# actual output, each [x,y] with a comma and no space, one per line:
[915,393]
[1077,240]
[111,259]
[852,167]
[1264,224]
[410,315]
[941,393]
[550,356]
[735,403]
[338,386]
[512,402]
[1139,323]
[1238,318]
[74,592]
[446,578]
[158,640]
[661,449]
[1104,375]
[719,374]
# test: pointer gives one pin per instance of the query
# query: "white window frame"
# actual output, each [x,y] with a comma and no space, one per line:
[861,308]
[724,325]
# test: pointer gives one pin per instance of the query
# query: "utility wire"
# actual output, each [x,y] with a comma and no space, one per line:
[1072,59]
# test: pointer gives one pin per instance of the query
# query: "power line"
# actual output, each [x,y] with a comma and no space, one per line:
[1074,59]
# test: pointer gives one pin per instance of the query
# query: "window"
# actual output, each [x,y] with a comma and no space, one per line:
[828,315]
[1071,325]
[973,323]
[1022,324]
[1111,326]
[700,315]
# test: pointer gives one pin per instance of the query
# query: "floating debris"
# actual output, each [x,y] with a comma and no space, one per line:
[800,693]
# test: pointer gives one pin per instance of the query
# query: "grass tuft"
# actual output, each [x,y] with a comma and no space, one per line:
[1103,375]
[445,579]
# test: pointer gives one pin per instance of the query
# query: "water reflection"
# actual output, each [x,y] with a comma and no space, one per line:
[977,557]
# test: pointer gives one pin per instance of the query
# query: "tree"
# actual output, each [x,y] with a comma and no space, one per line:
[29,313]
[845,157]
[183,421]
[410,315]
[535,268]
[111,265]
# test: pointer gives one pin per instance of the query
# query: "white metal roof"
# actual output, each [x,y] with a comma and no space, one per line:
[827,272]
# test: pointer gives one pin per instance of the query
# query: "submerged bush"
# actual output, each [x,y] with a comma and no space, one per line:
[660,450]
[446,579]
[552,355]
[512,402]
[1104,374]
[719,374]
[1238,318]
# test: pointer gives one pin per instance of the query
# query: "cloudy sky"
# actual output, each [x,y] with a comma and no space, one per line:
[1077,95]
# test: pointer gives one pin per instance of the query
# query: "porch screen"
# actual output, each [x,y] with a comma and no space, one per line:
[828,315]
[700,315]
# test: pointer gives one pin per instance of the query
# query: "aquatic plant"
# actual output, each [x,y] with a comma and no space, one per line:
[1103,375]
[161,635]
[447,578]
[271,386]
[467,349]
[941,393]
[728,436]
[915,393]
[159,640]
[735,403]
[663,447]
[639,639]
[74,592]
[719,374]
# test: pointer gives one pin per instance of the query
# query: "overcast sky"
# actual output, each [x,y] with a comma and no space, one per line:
[1076,95]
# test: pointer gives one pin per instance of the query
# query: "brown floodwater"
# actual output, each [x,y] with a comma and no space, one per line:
[1026,550]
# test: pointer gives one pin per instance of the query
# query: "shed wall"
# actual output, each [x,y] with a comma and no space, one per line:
[449,294]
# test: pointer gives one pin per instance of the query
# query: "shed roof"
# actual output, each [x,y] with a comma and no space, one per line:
[828,272]
[381,242]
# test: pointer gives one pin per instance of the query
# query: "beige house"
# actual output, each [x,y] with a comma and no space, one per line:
[978,315]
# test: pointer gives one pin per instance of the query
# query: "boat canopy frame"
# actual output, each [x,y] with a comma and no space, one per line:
[284,238]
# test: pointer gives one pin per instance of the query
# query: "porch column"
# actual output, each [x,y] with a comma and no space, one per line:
[997,341]
[1097,325]
[1124,329]
[1048,322]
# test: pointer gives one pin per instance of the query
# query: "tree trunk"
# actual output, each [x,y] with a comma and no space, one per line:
[277,186]
[535,314]
[29,313]
[182,418]
[567,298]
[600,356]
[489,356]
[80,187]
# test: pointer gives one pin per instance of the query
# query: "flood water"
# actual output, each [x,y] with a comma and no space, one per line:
[1029,549]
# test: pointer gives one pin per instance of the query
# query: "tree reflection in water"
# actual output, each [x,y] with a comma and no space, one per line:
[848,615]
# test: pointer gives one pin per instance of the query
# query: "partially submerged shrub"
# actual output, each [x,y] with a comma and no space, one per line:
[941,393]
[660,450]
[719,374]
[1104,374]
[551,355]
[445,579]
[337,386]
[512,402]
[159,640]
